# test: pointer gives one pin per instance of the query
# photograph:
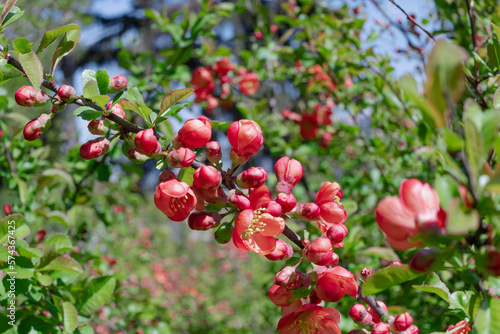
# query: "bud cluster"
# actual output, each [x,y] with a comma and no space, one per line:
[213,84]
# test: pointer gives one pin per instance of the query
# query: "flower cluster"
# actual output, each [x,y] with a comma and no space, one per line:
[213,84]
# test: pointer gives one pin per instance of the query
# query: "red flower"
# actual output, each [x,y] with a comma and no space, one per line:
[175,199]
[201,77]
[415,210]
[331,211]
[249,84]
[311,318]
[182,157]
[334,283]
[223,66]
[94,148]
[463,330]
[255,228]
[245,137]
[308,126]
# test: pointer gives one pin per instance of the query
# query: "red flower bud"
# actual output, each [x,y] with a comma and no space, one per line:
[273,28]
[201,77]
[1,133]
[67,92]
[207,177]
[117,109]
[94,148]
[359,331]
[195,132]
[466,197]
[360,315]
[212,103]
[245,137]
[258,34]
[395,263]
[223,66]
[287,202]
[375,317]
[117,84]
[26,96]
[203,220]
[320,252]
[306,212]
[40,235]
[238,199]
[7,209]
[280,296]
[283,251]
[285,276]
[366,272]
[414,330]
[274,209]
[174,198]
[288,172]
[180,158]
[213,151]
[36,127]
[175,141]
[97,128]
[336,233]
[146,143]
[252,178]
[380,328]
[402,322]
[424,259]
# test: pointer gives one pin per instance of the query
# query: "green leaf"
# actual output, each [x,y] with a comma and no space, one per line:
[173,97]
[497,29]
[494,183]
[23,190]
[434,284]
[33,68]
[6,9]
[87,113]
[460,223]
[44,280]
[30,252]
[101,100]
[61,242]
[102,78]
[409,85]
[63,263]
[388,277]
[473,141]
[22,268]
[70,316]
[67,44]
[22,45]
[382,253]
[96,294]
[459,301]
[91,89]
[59,217]
[186,175]
[51,174]
[14,14]
[19,229]
[496,99]
[51,35]
[135,95]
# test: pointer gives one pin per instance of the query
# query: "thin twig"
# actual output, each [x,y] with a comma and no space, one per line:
[413,20]
[294,237]
[372,303]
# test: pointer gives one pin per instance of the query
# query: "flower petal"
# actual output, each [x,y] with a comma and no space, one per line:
[260,244]
[394,220]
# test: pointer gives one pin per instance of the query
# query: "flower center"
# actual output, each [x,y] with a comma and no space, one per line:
[178,203]
[256,225]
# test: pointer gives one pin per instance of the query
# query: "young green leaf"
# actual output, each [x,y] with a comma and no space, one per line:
[102,78]
[51,35]
[67,44]
[6,9]
[388,277]
[96,294]
[14,14]
[87,113]
[173,97]
[33,68]
[22,45]
[70,317]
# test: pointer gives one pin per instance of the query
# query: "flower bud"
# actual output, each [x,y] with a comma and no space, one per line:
[380,328]
[223,66]
[258,34]
[375,317]
[359,331]
[213,151]
[360,315]
[137,157]
[424,260]
[201,77]
[320,252]
[146,143]
[67,92]
[414,330]
[273,28]
[180,158]
[395,263]
[166,175]
[94,148]
[97,127]
[212,103]
[117,84]
[365,273]
[175,141]
[207,177]
[1,133]
[237,159]
[195,132]
[26,96]
[7,209]
[402,322]
[252,178]
[117,109]
[274,209]
[40,235]
[36,127]
[288,172]
[238,199]
[283,251]
[285,276]
[280,296]
[336,233]
[287,202]
[306,212]
[203,220]
[245,137]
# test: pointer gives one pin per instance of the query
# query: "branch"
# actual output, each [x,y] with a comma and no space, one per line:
[372,303]
[413,20]
[294,237]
